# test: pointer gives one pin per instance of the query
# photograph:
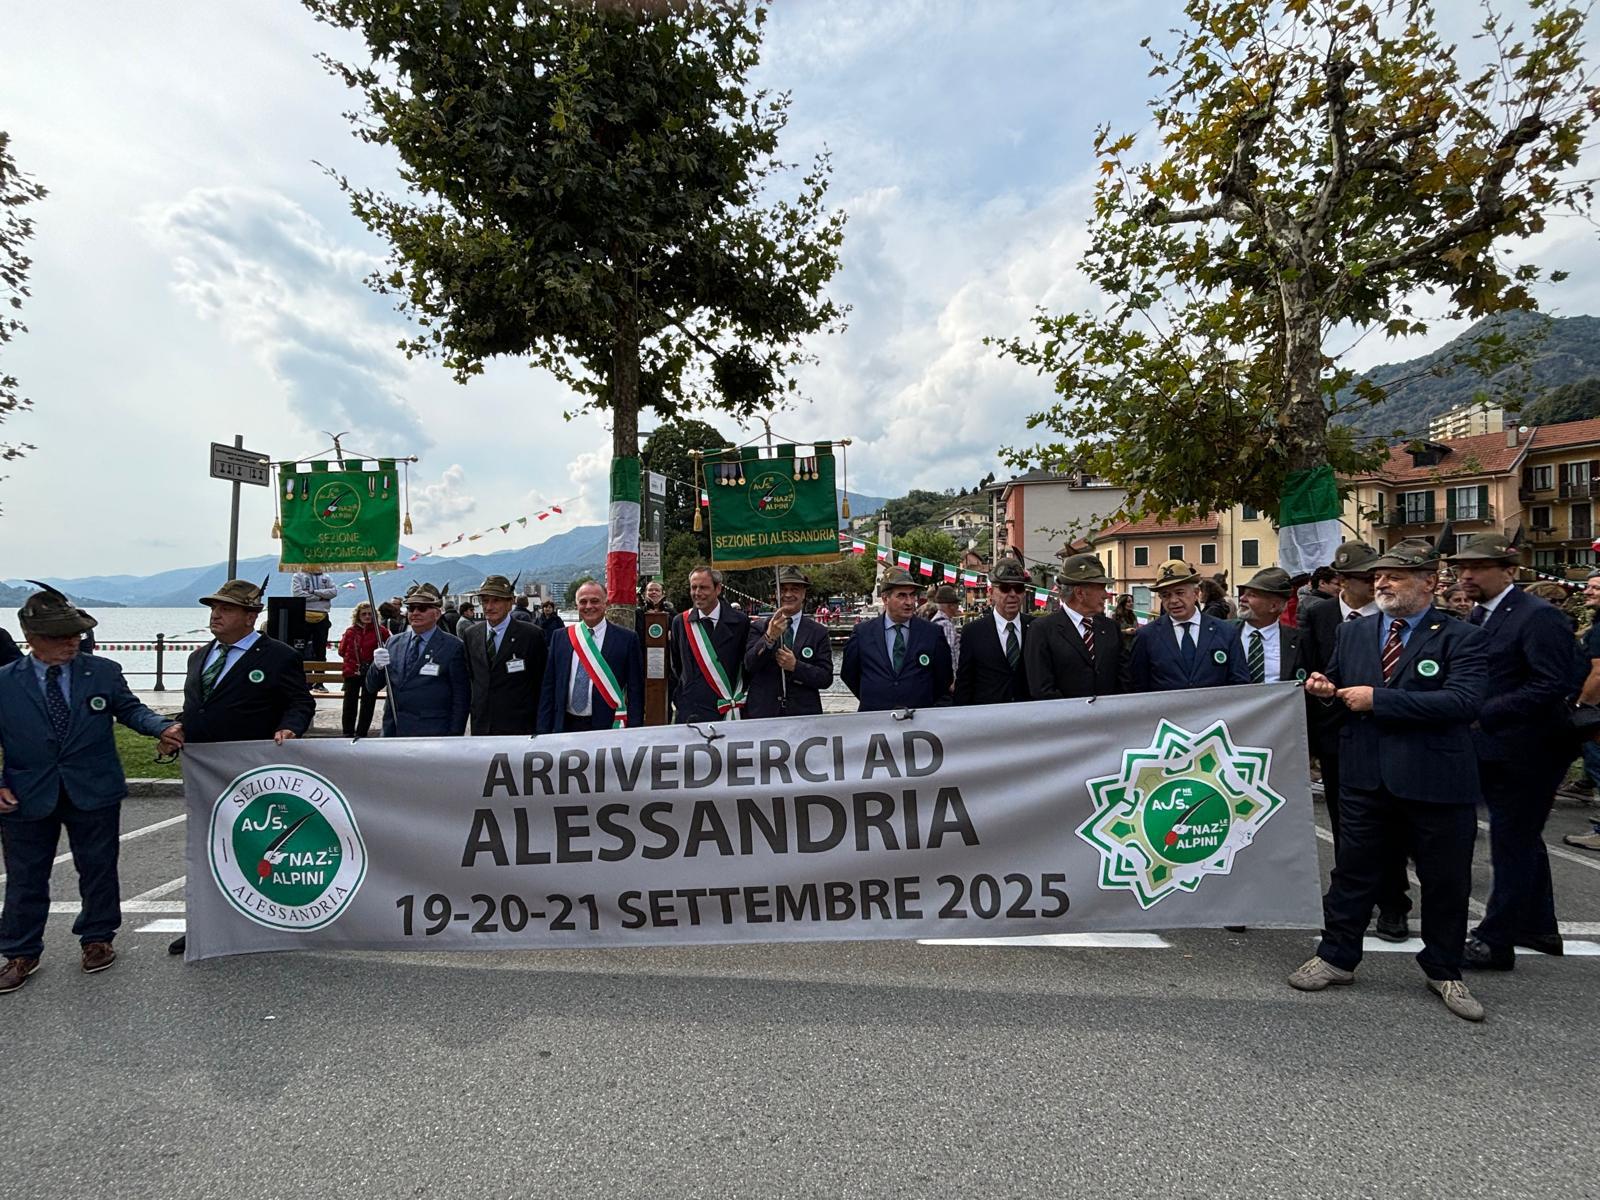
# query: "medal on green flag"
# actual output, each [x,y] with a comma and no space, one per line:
[339,518]
[769,508]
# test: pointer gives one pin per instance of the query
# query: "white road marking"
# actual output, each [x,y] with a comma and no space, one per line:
[1571,949]
[1079,941]
[127,837]
[1476,908]
[165,925]
[166,889]
[69,908]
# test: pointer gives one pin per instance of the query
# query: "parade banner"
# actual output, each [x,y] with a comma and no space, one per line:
[338,518]
[1125,813]
[770,511]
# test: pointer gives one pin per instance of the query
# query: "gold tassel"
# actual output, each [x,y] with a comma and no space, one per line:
[844,506]
[277,529]
[407,526]
[697,514]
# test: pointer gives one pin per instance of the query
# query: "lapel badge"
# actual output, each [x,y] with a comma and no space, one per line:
[97,703]
[1220,656]
[257,676]
[923,660]
[1427,668]
[806,652]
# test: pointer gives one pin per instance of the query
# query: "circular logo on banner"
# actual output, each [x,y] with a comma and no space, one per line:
[1220,656]
[285,849]
[1186,820]
[806,652]
[655,629]
[257,676]
[336,504]
[1427,668]
[771,494]
[97,704]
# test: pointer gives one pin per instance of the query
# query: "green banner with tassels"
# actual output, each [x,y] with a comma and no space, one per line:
[338,518]
[772,507]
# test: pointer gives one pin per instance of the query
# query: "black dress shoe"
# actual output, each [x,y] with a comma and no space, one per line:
[177,944]
[1392,928]
[1479,956]
[1549,943]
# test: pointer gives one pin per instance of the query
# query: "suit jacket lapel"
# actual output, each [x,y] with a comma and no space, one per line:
[29,683]
[1288,652]
[1423,636]
[237,670]
[1075,639]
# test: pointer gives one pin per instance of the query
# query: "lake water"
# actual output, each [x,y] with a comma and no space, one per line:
[187,627]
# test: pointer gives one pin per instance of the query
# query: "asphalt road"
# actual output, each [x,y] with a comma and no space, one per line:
[872,1069]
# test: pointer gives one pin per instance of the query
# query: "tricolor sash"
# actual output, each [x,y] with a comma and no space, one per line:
[730,697]
[600,674]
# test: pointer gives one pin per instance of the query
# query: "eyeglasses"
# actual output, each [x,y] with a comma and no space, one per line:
[1009,587]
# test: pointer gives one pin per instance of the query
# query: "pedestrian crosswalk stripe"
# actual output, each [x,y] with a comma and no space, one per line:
[165,925]
[1079,941]
[1569,949]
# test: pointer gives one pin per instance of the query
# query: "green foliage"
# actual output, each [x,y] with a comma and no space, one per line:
[569,598]
[853,575]
[1323,162]
[596,186]
[682,553]
[932,544]
[16,191]
[667,450]
[138,755]
[1570,402]
[917,508]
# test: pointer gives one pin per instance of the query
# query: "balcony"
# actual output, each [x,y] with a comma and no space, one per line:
[1579,491]
[1398,519]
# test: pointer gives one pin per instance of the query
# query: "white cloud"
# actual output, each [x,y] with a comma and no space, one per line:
[437,508]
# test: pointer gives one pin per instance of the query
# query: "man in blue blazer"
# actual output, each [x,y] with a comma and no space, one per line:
[425,670]
[898,660]
[1522,746]
[1184,647]
[789,661]
[572,699]
[1412,680]
[61,770]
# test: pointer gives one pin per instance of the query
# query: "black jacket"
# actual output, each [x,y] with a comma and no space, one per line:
[1059,667]
[264,691]
[692,697]
[505,697]
[800,695]
[983,674]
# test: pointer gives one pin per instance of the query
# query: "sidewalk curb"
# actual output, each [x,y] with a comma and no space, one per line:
[155,789]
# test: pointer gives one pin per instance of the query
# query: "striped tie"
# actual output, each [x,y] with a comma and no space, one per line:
[1392,648]
[213,671]
[1086,631]
[1256,660]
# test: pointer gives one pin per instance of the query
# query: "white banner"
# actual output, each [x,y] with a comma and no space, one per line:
[1136,812]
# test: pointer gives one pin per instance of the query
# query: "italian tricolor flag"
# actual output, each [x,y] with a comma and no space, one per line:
[1308,520]
[622,549]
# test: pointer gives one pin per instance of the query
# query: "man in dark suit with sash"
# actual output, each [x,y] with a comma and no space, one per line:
[425,670]
[706,648]
[243,686]
[1522,743]
[1412,681]
[898,660]
[62,771]
[1184,647]
[789,662]
[505,665]
[594,678]
[1078,651]
[992,670]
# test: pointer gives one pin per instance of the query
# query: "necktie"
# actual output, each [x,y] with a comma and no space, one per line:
[1256,660]
[1013,651]
[413,657]
[55,702]
[1086,632]
[1354,616]
[1480,614]
[578,701]
[1186,649]
[788,637]
[1392,648]
[213,671]
[491,645]
[899,647]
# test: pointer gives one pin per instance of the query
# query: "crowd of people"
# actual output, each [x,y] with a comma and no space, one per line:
[1422,702]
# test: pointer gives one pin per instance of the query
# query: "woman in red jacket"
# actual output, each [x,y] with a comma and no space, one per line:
[355,648]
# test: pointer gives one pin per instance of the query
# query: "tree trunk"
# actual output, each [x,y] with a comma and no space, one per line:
[1303,414]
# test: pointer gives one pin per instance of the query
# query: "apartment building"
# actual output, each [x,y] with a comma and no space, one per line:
[1038,513]
[1469,420]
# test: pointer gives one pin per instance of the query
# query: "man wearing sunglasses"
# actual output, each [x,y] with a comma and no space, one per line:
[991,668]
[1184,647]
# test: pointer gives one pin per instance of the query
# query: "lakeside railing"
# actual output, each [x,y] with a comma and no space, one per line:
[160,647]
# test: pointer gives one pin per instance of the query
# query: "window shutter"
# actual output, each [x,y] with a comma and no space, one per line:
[1427,509]
[1483,501]
[1527,479]
[1450,504]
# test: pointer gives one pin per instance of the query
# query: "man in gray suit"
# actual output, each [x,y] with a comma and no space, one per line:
[61,771]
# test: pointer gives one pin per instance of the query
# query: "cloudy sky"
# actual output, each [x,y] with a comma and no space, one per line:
[197,276]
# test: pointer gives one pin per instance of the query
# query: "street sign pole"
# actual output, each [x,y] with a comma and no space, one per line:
[233,519]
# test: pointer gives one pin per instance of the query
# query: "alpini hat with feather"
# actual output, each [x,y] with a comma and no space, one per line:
[48,613]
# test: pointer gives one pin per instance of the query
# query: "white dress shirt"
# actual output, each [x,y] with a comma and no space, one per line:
[1193,624]
[1366,610]
[1000,624]
[234,652]
[1271,647]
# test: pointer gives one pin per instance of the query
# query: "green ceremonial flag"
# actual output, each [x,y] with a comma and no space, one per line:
[335,518]
[769,511]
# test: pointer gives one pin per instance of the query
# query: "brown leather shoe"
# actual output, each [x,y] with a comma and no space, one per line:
[16,973]
[97,956]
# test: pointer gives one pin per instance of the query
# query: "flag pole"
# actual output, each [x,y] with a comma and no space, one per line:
[366,578]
